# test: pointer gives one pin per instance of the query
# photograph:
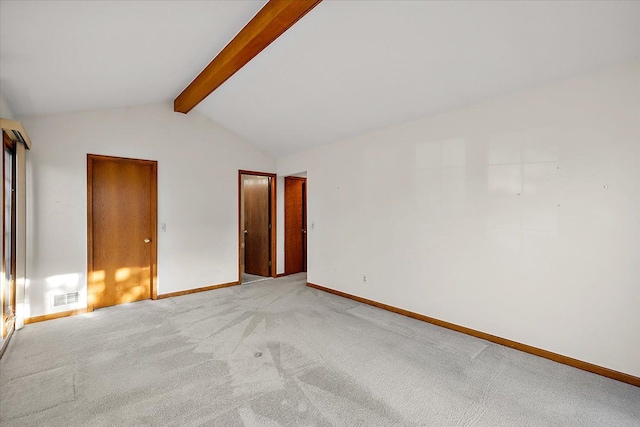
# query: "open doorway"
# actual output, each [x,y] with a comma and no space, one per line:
[256,226]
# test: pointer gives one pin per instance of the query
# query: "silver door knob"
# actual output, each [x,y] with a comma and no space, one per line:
[304,231]
[245,231]
[147,240]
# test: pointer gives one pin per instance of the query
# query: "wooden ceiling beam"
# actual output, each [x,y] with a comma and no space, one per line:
[276,17]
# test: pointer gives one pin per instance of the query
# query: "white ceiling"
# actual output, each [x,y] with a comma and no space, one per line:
[61,56]
[347,68]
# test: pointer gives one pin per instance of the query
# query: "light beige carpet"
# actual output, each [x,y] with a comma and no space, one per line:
[277,353]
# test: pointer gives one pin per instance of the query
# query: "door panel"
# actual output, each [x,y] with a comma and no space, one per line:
[256,225]
[295,238]
[304,225]
[123,232]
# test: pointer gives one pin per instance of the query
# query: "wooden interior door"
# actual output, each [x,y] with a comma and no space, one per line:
[257,253]
[295,225]
[122,212]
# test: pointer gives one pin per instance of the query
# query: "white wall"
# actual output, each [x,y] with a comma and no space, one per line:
[198,163]
[518,217]
[5,110]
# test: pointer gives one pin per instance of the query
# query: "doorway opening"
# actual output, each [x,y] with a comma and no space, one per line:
[257,232]
[8,279]
[122,206]
[295,224]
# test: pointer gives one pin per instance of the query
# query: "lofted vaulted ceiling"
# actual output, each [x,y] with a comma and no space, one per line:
[347,68]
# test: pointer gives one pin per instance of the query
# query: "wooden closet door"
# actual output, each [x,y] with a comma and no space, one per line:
[256,236]
[295,233]
[122,212]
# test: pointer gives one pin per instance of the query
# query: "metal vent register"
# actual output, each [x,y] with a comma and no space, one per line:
[64,299]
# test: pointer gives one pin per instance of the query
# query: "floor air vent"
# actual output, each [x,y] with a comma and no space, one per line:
[65,299]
